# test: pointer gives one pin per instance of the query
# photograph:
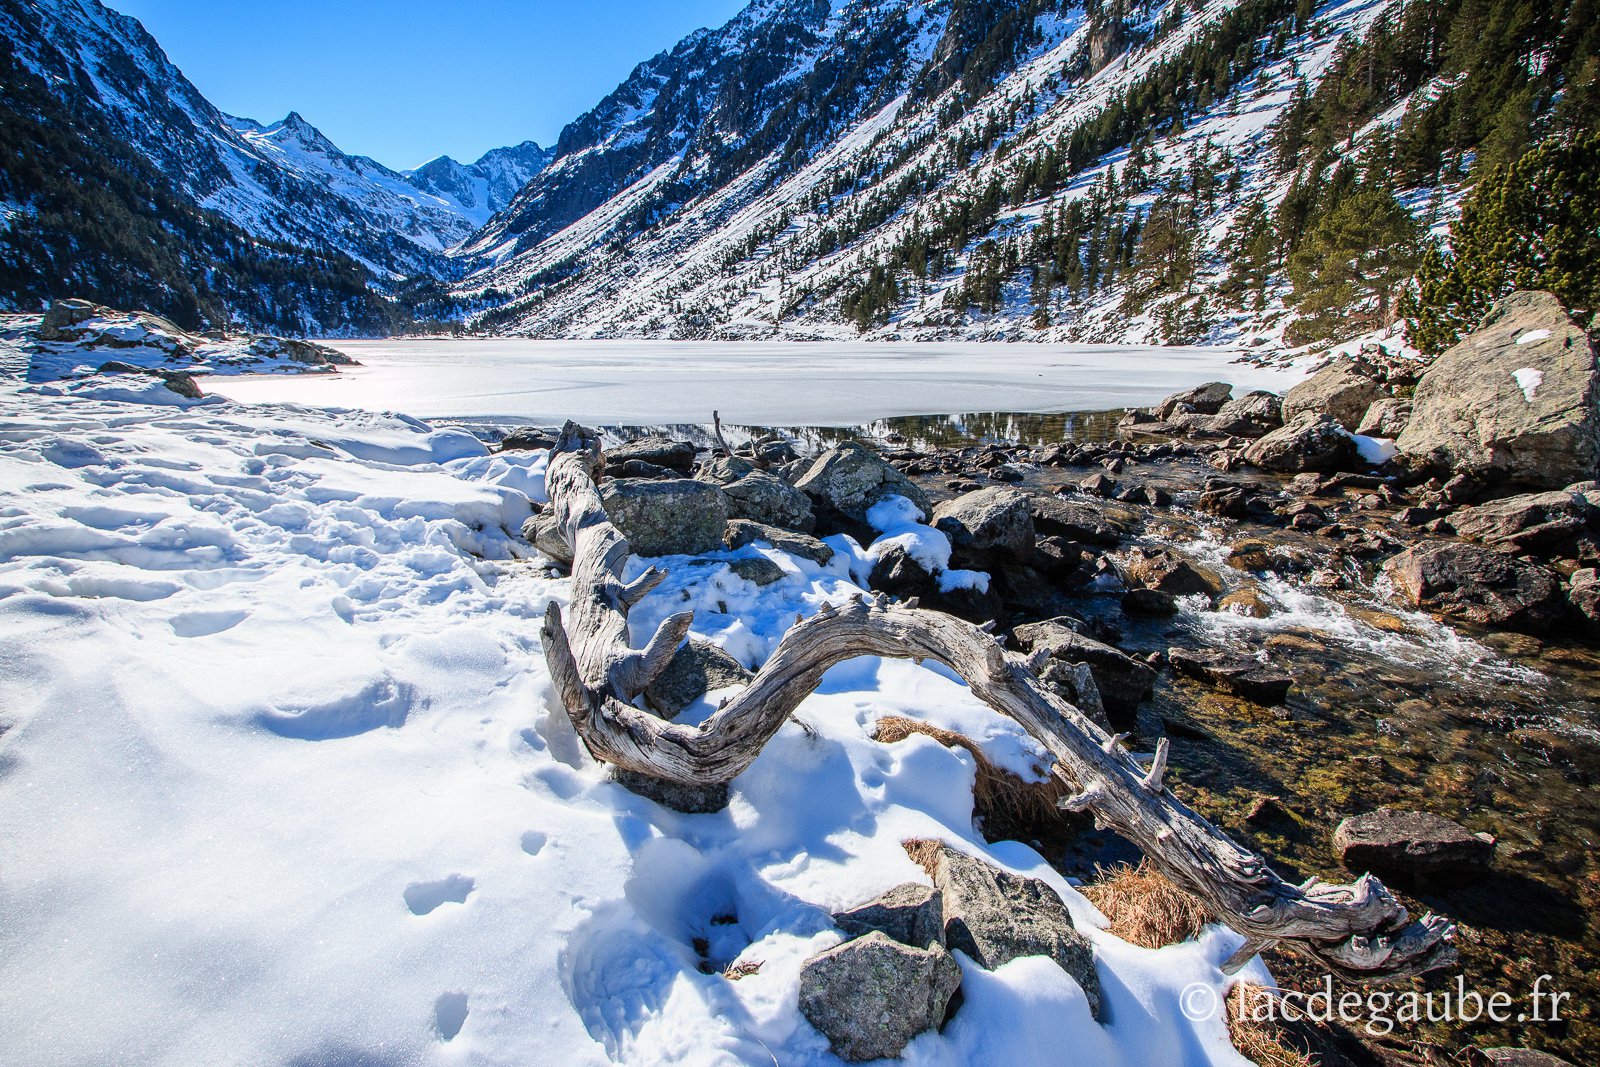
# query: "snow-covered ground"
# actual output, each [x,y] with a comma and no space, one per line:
[765,383]
[282,779]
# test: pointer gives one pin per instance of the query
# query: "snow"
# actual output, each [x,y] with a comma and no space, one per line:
[283,779]
[1528,380]
[1533,335]
[766,383]
[1375,450]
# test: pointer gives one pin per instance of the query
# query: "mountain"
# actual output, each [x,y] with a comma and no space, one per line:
[1033,169]
[100,93]
[478,190]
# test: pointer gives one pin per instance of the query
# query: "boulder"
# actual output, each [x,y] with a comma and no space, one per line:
[1224,501]
[1479,585]
[910,913]
[678,516]
[725,470]
[1243,676]
[1080,521]
[1123,682]
[758,570]
[1527,523]
[988,525]
[995,916]
[1522,1057]
[1340,390]
[1416,843]
[1385,417]
[741,532]
[1169,571]
[1309,443]
[657,451]
[849,479]
[899,573]
[1206,399]
[1517,397]
[527,439]
[180,382]
[1583,593]
[697,668]
[1252,415]
[1075,683]
[760,497]
[871,996]
[1151,602]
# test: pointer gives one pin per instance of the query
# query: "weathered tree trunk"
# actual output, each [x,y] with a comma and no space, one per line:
[1359,930]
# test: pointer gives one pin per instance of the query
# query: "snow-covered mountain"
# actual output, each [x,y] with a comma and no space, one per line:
[279,182]
[478,190]
[746,182]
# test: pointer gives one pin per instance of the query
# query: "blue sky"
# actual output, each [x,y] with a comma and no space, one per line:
[403,81]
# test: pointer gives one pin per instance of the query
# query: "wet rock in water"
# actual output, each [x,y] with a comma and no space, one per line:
[1247,602]
[1416,843]
[1102,485]
[1385,417]
[544,533]
[527,439]
[1310,443]
[664,518]
[741,532]
[1206,399]
[760,497]
[1527,523]
[995,916]
[1340,390]
[1010,473]
[1169,571]
[1147,495]
[1080,521]
[986,526]
[1150,602]
[658,451]
[757,569]
[1518,396]
[910,913]
[1253,415]
[697,668]
[869,997]
[1479,585]
[1243,676]
[1123,681]
[850,479]
[1056,556]
[1224,501]
[1583,593]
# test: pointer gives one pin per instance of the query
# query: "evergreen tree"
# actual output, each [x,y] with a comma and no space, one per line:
[1532,225]
[1350,266]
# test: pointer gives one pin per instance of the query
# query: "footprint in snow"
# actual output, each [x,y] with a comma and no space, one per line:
[423,897]
[533,841]
[450,1015]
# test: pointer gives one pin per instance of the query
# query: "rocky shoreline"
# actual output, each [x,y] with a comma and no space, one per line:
[1464,489]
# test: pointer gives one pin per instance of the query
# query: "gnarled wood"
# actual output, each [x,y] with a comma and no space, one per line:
[1358,931]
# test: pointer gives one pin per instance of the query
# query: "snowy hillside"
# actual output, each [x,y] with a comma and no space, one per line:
[281,182]
[283,780]
[901,168]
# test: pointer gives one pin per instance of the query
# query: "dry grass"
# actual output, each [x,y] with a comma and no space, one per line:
[1262,1041]
[1009,806]
[924,851]
[741,969]
[1144,907]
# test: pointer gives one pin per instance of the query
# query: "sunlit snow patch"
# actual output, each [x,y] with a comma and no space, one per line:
[1533,335]
[1528,379]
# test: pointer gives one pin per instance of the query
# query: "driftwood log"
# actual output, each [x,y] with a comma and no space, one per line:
[1359,930]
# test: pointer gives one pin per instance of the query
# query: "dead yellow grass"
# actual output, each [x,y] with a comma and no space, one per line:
[1009,806]
[1262,1041]
[1144,907]
[923,852]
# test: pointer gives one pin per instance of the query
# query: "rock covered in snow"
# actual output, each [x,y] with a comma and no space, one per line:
[678,516]
[1516,398]
[851,478]
[742,532]
[1480,585]
[1340,390]
[1312,442]
[1416,843]
[871,996]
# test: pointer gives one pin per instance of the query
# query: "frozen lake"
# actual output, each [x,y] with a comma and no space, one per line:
[766,383]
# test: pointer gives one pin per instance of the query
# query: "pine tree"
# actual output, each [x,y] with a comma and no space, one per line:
[1352,263]
[1532,225]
